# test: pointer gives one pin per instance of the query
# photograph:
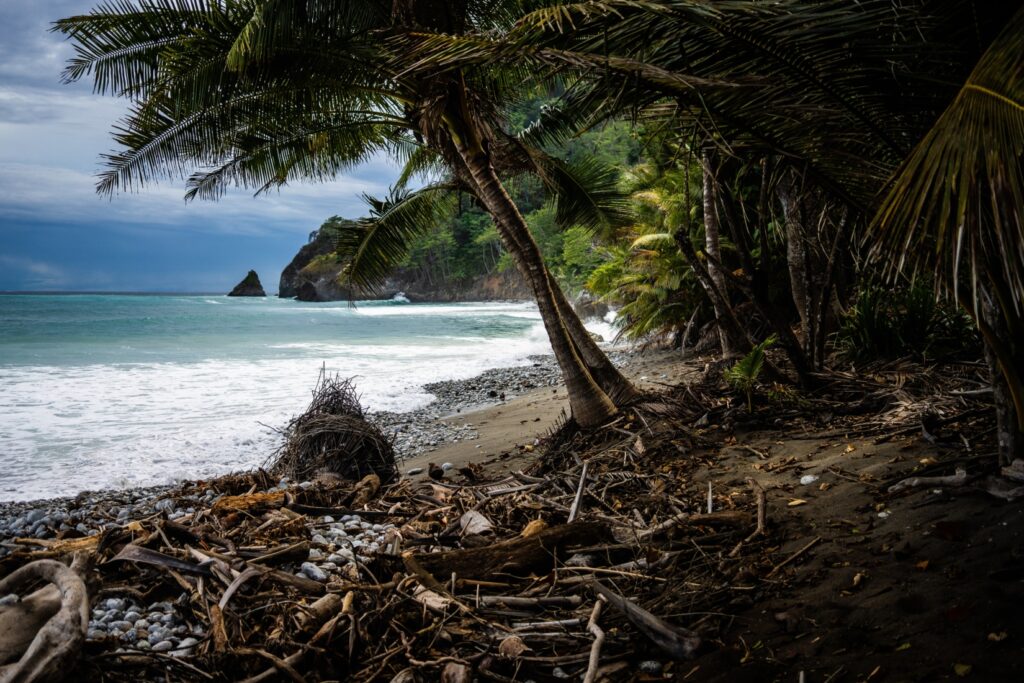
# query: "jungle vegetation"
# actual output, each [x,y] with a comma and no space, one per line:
[831,175]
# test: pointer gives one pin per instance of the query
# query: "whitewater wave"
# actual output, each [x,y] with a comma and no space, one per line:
[67,428]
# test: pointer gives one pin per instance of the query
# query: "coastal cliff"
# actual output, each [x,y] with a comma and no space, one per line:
[313,275]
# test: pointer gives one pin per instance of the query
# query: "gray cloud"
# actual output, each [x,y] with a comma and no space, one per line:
[57,233]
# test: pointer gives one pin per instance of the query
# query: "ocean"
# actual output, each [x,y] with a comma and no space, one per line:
[114,391]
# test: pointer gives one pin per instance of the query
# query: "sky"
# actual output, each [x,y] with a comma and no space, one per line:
[56,233]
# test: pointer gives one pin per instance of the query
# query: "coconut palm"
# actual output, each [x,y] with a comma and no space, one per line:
[259,92]
[908,114]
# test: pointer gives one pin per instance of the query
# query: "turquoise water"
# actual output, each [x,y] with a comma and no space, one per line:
[102,391]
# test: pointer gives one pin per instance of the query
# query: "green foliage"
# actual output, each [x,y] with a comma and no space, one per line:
[644,272]
[744,374]
[894,323]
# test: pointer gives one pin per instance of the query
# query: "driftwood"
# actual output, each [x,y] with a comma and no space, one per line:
[49,631]
[518,556]
[958,479]
[676,642]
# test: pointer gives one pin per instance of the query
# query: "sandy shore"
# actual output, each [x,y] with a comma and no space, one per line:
[501,430]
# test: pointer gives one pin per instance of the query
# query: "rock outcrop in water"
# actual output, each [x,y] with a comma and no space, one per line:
[314,275]
[249,286]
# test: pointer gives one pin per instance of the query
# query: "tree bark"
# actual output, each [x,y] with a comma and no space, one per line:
[795,215]
[1005,356]
[590,405]
[619,389]
[712,245]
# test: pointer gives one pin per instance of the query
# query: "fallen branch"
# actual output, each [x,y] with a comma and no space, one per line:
[56,644]
[676,642]
[958,479]
[595,648]
[794,556]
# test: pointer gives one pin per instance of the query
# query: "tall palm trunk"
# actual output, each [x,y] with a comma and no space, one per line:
[590,405]
[712,245]
[612,382]
[619,389]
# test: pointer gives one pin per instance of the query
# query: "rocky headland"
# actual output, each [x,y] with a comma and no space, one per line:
[314,275]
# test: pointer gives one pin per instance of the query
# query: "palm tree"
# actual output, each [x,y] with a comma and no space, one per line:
[258,92]
[908,115]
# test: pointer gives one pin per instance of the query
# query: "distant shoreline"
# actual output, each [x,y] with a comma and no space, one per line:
[106,293]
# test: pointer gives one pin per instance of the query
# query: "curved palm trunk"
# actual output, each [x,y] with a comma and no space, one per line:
[590,405]
[619,389]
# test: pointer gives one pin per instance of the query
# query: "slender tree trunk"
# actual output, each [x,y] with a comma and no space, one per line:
[712,245]
[794,214]
[612,382]
[590,405]
[604,372]
[1004,352]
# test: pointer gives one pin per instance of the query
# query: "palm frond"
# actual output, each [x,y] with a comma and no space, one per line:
[379,243]
[956,203]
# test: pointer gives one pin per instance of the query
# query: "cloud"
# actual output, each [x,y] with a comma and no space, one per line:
[35,274]
[60,195]
[61,234]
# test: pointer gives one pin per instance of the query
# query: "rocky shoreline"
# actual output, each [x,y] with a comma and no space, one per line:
[127,623]
[415,432]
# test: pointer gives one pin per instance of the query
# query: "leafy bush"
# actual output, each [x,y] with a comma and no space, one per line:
[893,323]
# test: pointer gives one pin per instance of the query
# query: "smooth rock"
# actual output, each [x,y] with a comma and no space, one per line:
[314,572]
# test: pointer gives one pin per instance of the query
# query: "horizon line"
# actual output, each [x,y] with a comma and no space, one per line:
[139,292]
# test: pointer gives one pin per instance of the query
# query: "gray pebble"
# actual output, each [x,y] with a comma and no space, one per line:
[163,646]
[314,572]
[32,517]
[10,599]
[114,604]
[415,470]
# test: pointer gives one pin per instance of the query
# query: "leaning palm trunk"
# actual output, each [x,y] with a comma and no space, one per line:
[590,405]
[604,372]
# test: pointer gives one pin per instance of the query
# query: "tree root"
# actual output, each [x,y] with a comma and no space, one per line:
[61,616]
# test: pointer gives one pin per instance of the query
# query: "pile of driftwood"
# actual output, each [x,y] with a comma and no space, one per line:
[332,438]
[603,561]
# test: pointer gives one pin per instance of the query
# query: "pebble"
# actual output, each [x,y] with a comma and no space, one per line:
[808,479]
[650,666]
[415,470]
[314,572]
[10,599]
[163,646]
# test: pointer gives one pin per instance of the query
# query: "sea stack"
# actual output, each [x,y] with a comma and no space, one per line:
[249,286]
